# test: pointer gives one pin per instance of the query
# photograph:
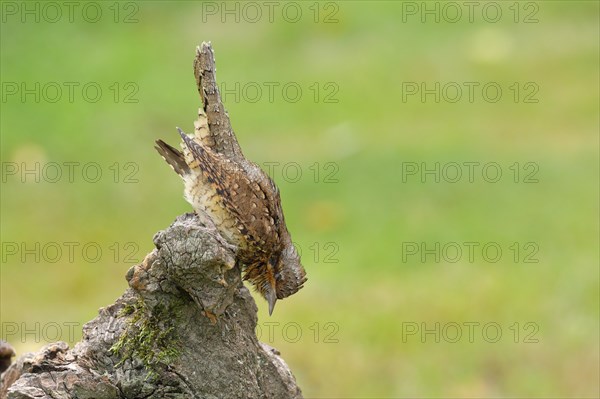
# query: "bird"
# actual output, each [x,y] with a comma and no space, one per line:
[233,194]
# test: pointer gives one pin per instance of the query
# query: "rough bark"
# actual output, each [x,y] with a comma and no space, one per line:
[184,329]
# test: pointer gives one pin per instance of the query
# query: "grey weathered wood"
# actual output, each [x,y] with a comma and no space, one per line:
[186,329]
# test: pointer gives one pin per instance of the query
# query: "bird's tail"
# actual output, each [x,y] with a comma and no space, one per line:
[173,156]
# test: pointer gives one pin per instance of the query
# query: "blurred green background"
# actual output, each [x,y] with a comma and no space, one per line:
[355,219]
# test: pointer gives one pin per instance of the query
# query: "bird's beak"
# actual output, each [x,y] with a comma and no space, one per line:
[272,300]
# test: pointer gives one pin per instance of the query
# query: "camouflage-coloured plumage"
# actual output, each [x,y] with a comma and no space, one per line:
[234,194]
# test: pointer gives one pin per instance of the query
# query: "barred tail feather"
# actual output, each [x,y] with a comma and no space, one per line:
[173,157]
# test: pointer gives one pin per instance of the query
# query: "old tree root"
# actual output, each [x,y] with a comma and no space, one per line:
[184,329]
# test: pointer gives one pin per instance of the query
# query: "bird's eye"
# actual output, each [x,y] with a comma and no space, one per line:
[273,260]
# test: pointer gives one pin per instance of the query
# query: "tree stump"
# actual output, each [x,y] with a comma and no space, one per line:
[185,328]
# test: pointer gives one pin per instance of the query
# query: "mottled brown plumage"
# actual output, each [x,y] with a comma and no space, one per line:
[233,194]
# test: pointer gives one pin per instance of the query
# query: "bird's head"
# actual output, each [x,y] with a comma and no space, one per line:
[288,274]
